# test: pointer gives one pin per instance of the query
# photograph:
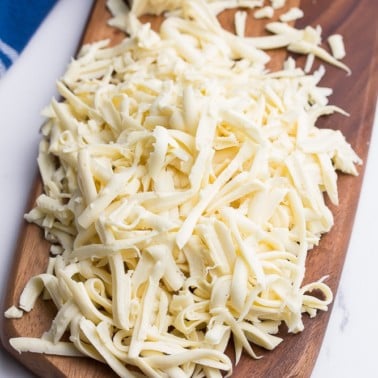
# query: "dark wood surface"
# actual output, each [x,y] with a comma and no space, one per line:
[296,356]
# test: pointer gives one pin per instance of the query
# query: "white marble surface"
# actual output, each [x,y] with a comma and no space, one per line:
[349,349]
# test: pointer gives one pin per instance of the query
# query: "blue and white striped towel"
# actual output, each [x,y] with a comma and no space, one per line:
[19,19]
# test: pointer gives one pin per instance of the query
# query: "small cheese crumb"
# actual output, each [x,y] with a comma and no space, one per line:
[276,4]
[13,313]
[292,15]
[337,46]
[266,12]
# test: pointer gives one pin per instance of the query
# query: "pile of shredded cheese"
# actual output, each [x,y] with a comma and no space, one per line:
[183,187]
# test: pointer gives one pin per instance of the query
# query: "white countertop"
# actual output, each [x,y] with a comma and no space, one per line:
[349,348]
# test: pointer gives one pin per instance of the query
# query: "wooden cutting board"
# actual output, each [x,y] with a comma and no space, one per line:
[295,357]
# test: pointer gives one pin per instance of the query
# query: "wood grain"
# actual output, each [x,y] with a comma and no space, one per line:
[295,357]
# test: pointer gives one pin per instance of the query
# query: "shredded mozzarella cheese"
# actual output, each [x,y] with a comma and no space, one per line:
[291,15]
[13,313]
[240,20]
[337,46]
[189,188]
[276,4]
[265,12]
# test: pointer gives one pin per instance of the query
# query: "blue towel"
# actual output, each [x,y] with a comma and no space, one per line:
[19,19]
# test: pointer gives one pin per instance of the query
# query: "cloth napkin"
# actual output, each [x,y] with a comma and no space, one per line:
[19,19]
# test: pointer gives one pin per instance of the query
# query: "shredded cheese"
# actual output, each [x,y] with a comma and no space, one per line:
[189,188]
[240,20]
[13,313]
[291,15]
[265,12]
[277,4]
[337,46]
